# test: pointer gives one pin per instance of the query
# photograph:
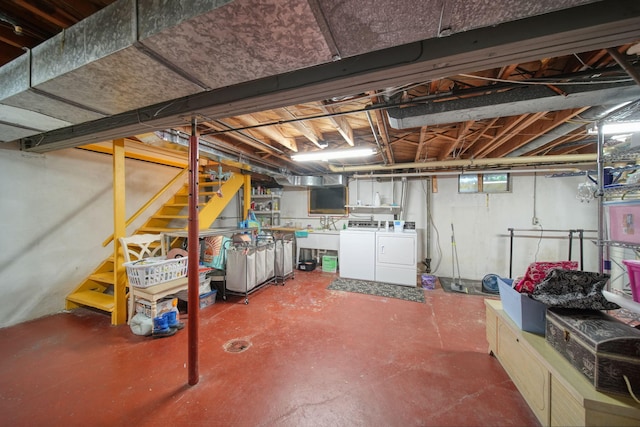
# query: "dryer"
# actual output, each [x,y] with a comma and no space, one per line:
[396,257]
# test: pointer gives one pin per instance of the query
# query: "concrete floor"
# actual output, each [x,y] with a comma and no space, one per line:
[315,358]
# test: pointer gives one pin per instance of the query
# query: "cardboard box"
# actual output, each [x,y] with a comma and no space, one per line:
[527,313]
[144,306]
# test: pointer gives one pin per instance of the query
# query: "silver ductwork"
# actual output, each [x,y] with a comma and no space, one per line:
[311,181]
[518,100]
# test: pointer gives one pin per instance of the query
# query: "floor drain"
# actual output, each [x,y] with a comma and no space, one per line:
[237,346]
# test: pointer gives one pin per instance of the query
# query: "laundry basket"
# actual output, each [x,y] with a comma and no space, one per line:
[151,271]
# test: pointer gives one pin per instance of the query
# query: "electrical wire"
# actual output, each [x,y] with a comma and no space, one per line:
[535,258]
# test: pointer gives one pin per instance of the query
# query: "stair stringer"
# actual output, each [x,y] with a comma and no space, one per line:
[94,291]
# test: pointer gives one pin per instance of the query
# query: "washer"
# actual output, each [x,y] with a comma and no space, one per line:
[357,254]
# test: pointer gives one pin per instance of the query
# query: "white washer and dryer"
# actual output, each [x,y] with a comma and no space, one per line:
[369,253]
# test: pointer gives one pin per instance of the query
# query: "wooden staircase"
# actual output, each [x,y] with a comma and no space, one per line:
[99,289]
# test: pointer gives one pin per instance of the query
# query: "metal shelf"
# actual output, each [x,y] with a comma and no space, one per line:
[621,190]
[619,156]
[374,209]
[265,196]
[618,244]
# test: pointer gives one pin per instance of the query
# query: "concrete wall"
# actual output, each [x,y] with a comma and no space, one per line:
[57,208]
[480,221]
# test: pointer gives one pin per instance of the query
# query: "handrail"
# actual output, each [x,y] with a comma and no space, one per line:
[149,202]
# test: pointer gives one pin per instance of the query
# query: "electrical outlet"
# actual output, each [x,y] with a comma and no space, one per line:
[535,221]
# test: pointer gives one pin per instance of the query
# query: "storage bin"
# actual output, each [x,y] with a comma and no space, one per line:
[208,299]
[307,265]
[527,313]
[428,281]
[329,263]
[633,269]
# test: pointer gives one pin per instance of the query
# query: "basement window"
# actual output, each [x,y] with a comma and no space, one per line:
[484,183]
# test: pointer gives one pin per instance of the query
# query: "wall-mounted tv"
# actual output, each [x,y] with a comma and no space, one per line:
[327,200]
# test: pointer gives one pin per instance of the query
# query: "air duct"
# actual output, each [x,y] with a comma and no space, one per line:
[311,181]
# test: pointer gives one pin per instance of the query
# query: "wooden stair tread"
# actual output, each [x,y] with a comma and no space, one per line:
[99,300]
[185,204]
[105,277]
[160,229]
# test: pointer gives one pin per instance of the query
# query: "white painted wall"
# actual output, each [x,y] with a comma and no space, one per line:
[56,210]
[480,221]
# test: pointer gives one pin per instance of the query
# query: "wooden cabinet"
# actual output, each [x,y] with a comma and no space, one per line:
[556,392]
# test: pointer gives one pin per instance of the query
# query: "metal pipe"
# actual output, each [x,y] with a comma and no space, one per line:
[375,136]
[452,173]
[461,163]
[193,248]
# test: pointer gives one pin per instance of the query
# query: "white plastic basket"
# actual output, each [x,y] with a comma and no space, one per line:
[152,271]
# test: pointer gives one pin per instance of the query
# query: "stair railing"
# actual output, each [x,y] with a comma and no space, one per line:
[150,202]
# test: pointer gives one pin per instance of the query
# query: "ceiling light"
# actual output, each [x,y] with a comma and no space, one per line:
[619,127]
[330,155]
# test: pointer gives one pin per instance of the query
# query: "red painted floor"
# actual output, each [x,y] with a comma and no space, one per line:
[316,358]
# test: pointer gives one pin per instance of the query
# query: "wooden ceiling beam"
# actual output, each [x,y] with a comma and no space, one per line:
[515,132]
[304,128]
[57,16]
[463,128]
[422,145]
[509,123]
[269,131]
[341,123]
[534,130]
[480,134]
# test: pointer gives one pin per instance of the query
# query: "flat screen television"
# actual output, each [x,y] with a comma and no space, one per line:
[327,200]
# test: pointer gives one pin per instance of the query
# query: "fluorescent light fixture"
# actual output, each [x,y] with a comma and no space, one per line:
[620,127]
[325,155]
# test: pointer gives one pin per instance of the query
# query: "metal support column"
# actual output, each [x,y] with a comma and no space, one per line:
[193,248]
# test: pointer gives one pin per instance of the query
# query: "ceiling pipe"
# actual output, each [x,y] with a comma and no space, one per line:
[460,172]
[375,136]
[461,163]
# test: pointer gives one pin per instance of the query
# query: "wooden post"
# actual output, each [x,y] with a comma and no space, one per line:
[119,315]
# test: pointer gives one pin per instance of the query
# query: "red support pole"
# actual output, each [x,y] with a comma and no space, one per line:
[193,248]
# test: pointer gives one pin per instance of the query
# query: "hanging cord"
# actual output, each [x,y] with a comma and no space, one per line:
[535,258]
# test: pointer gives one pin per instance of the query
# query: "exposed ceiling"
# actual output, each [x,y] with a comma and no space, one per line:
[423,82]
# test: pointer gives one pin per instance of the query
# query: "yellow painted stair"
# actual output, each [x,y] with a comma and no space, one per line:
[96,291]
